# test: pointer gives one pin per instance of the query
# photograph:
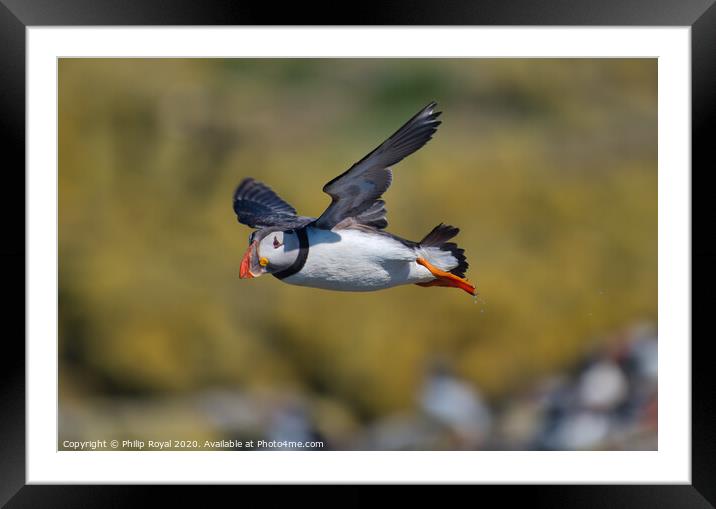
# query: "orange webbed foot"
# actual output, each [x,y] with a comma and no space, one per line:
[443,278]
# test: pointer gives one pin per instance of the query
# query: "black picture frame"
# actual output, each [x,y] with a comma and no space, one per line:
[17,15]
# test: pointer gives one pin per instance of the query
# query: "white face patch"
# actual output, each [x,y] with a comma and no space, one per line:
[280,249]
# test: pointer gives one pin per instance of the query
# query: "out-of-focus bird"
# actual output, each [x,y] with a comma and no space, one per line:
[347,247]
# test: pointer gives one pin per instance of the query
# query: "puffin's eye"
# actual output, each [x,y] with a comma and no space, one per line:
[276,243]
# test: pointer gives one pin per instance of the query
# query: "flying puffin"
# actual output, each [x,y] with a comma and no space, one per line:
[347,247]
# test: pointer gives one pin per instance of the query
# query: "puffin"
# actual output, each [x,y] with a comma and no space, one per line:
[347,248]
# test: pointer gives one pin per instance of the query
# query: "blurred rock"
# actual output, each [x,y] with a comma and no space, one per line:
[603,386]
[457,405]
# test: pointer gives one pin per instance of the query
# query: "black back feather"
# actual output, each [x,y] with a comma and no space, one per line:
[356,191]
[257,206]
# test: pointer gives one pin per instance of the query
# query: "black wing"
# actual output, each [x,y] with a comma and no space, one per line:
[257,206]
[356,192]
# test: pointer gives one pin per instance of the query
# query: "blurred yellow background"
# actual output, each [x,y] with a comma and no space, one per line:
[549,168]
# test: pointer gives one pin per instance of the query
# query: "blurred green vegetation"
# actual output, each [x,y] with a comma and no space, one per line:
[549,167]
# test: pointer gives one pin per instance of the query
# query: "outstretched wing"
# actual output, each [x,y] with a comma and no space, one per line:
[357,191]
[257,206]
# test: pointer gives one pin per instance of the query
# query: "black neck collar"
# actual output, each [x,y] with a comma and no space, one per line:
[300,259]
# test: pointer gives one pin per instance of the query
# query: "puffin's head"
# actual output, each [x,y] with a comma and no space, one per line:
[269,251]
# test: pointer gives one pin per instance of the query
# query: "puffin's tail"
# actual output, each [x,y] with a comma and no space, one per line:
[444,255]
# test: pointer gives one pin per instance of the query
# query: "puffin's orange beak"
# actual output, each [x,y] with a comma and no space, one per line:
[250,266]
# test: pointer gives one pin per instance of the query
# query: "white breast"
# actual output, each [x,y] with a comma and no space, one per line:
[354,260]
